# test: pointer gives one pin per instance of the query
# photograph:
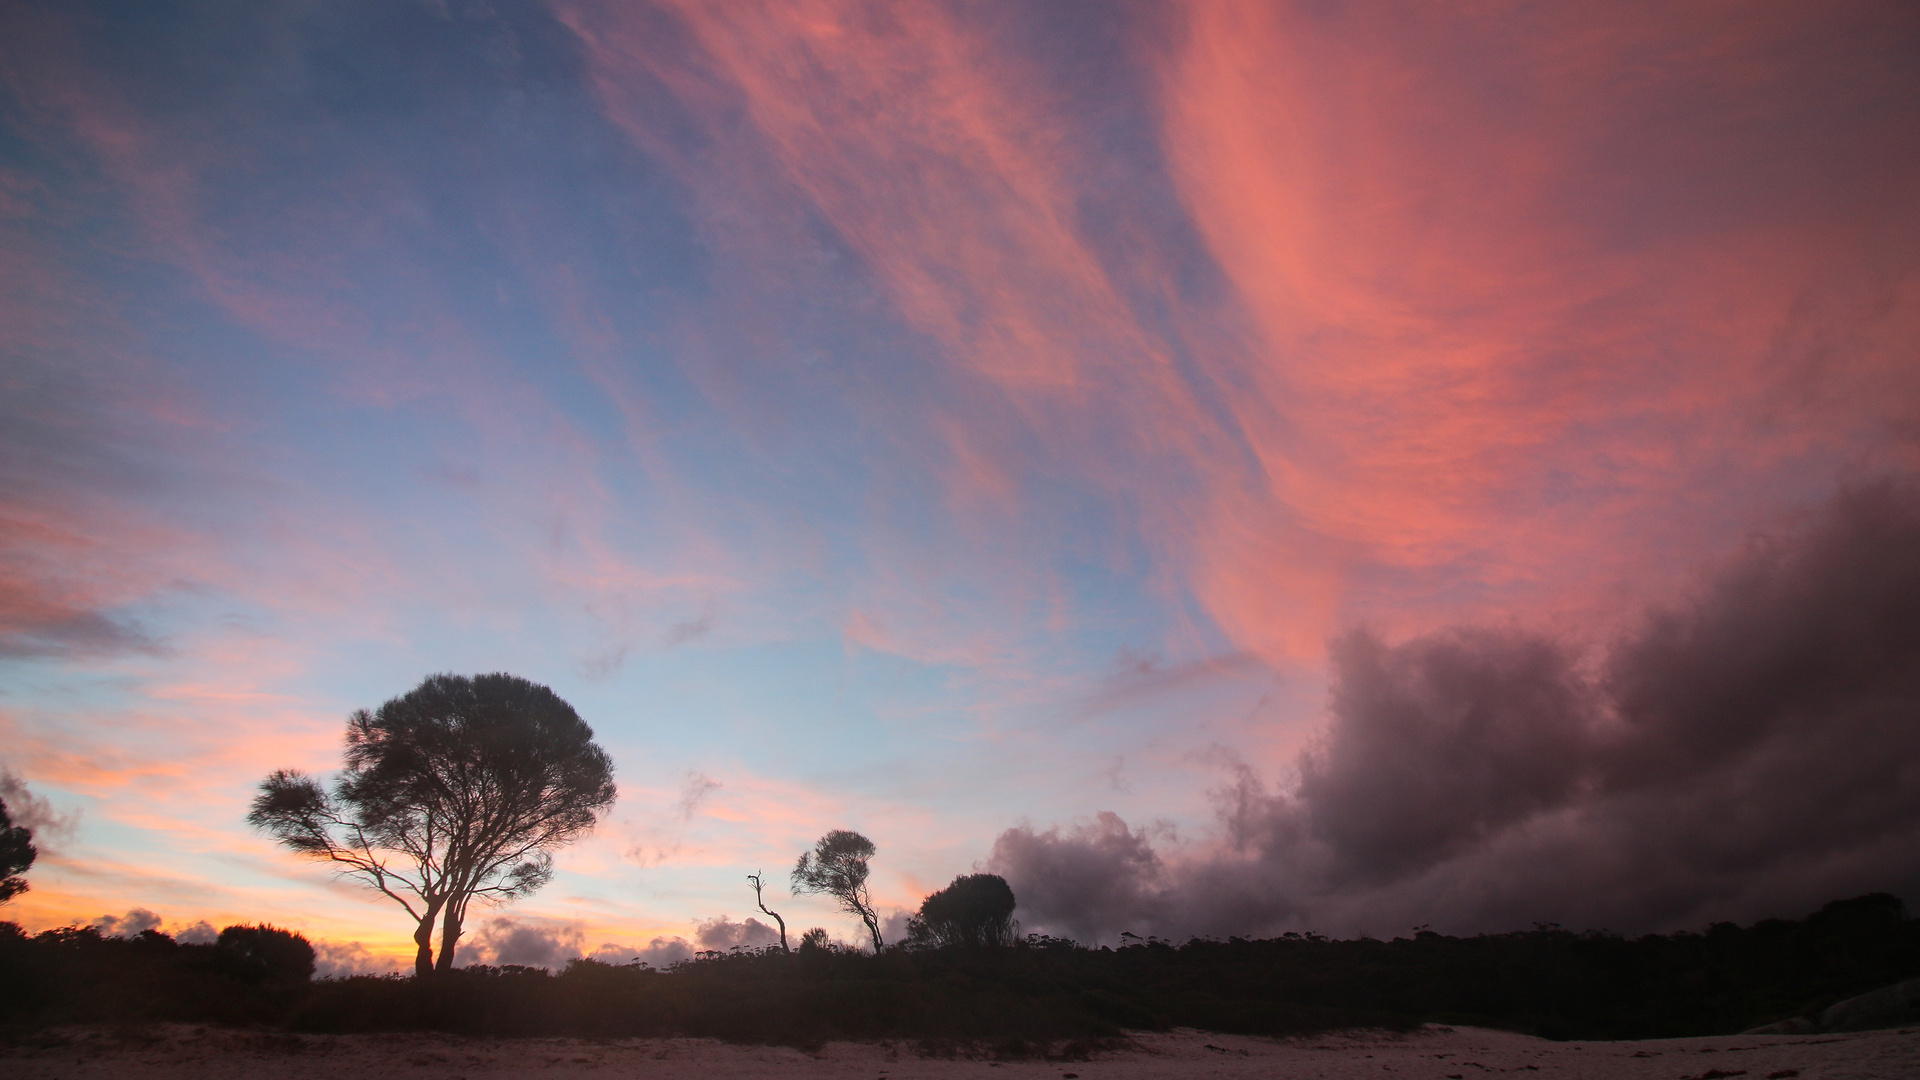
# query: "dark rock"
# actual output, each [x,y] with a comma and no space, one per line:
[1889,1006]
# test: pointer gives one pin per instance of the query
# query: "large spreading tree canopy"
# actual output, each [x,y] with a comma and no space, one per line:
[461,788]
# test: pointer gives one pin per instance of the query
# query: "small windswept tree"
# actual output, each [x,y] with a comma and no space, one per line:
[16,855]
[976,911]
[837,867]
[753,879]
[461,788]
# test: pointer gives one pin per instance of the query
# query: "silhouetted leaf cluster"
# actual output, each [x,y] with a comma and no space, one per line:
[16,855]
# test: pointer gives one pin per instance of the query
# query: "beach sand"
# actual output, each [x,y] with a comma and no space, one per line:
[1435,1053]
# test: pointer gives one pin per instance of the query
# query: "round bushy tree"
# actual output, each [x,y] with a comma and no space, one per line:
[975,911]
[459,789]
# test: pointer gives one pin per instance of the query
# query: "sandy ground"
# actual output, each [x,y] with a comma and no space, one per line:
[1433,1054]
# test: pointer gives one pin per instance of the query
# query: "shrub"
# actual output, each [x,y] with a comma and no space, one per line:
[976,911]
[271,954]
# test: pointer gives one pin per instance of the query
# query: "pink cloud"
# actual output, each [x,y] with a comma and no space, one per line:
[1467,363]
[1465,369]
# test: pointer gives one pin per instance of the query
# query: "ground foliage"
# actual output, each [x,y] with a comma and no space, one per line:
[257,975]
[1044,992]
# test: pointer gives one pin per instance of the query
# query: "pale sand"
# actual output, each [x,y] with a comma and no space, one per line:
[1431,1054]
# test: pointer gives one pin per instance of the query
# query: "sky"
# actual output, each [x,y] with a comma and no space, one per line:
[1228,468]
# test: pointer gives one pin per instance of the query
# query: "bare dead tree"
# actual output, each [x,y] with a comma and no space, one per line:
[754,880]
[459,789]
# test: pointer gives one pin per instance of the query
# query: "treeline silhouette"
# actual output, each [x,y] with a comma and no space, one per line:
[252,975]
[1038,992]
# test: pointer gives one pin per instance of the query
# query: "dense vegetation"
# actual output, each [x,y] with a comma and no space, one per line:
[254,975]
[1545,981]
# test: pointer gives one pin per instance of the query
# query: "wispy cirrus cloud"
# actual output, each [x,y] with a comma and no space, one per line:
[1504,268]
[1450,352]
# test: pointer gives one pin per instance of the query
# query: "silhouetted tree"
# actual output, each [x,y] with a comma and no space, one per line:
[274,954]
[815,939]
[837,867]
[16,855]
[754,880]
[460,788]
[975,911]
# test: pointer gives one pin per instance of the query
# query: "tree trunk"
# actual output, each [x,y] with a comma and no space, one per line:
[450,935]
[423,938]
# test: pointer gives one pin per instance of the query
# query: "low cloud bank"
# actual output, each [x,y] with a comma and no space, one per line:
[1754,751]
[720,933]
[534,943]
[660,952]
[527,943]
[339,959]
[139,920]
[201,932]
[132,924]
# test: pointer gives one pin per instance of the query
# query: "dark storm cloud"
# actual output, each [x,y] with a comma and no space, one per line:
[1440,741]
[1086,881]
[1799,640]
[1752,751]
